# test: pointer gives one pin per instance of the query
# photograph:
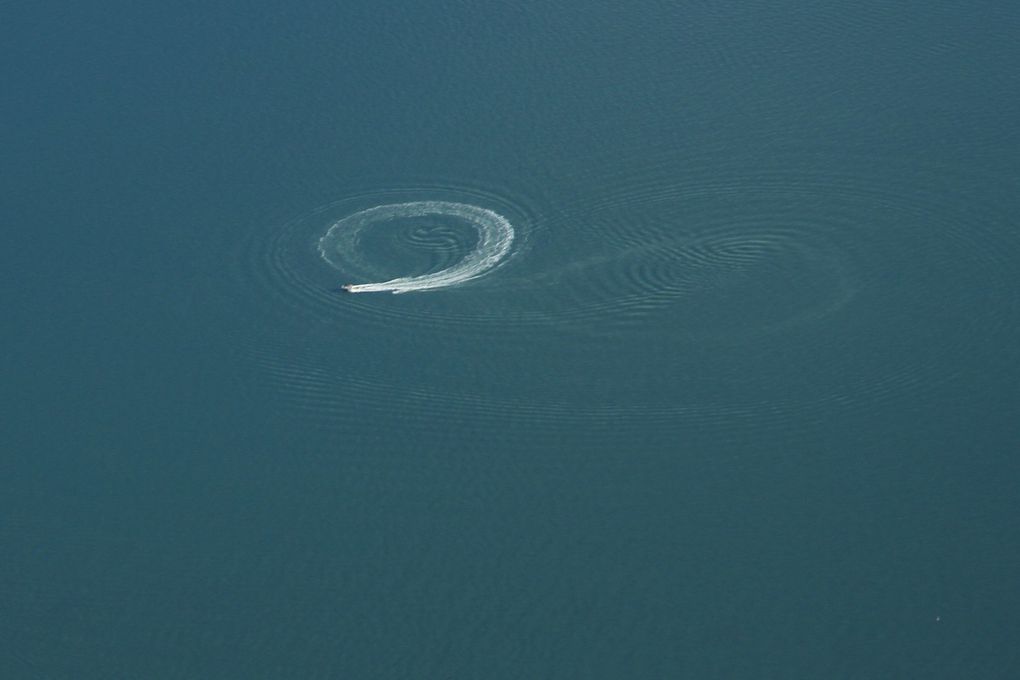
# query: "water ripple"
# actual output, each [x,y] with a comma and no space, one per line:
[742,297]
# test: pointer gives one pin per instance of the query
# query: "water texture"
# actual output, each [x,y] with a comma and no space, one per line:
[704,362]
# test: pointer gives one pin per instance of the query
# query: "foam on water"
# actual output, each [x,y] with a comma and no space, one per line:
[495,237]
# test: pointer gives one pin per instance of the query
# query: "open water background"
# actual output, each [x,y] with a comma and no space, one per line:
[742,402]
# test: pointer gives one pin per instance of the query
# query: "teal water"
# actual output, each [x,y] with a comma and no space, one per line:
[737,398]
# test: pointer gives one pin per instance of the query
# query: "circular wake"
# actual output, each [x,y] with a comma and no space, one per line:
[495,237]
[750,294]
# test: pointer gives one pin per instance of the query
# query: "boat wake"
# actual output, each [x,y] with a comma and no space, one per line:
[495,237]
[732,298]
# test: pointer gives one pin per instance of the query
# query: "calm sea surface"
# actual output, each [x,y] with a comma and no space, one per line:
[708,365]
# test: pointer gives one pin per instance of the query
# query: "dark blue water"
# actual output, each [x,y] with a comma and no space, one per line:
[740,399]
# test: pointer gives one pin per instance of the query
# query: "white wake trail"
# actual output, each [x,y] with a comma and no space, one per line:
[495,236]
